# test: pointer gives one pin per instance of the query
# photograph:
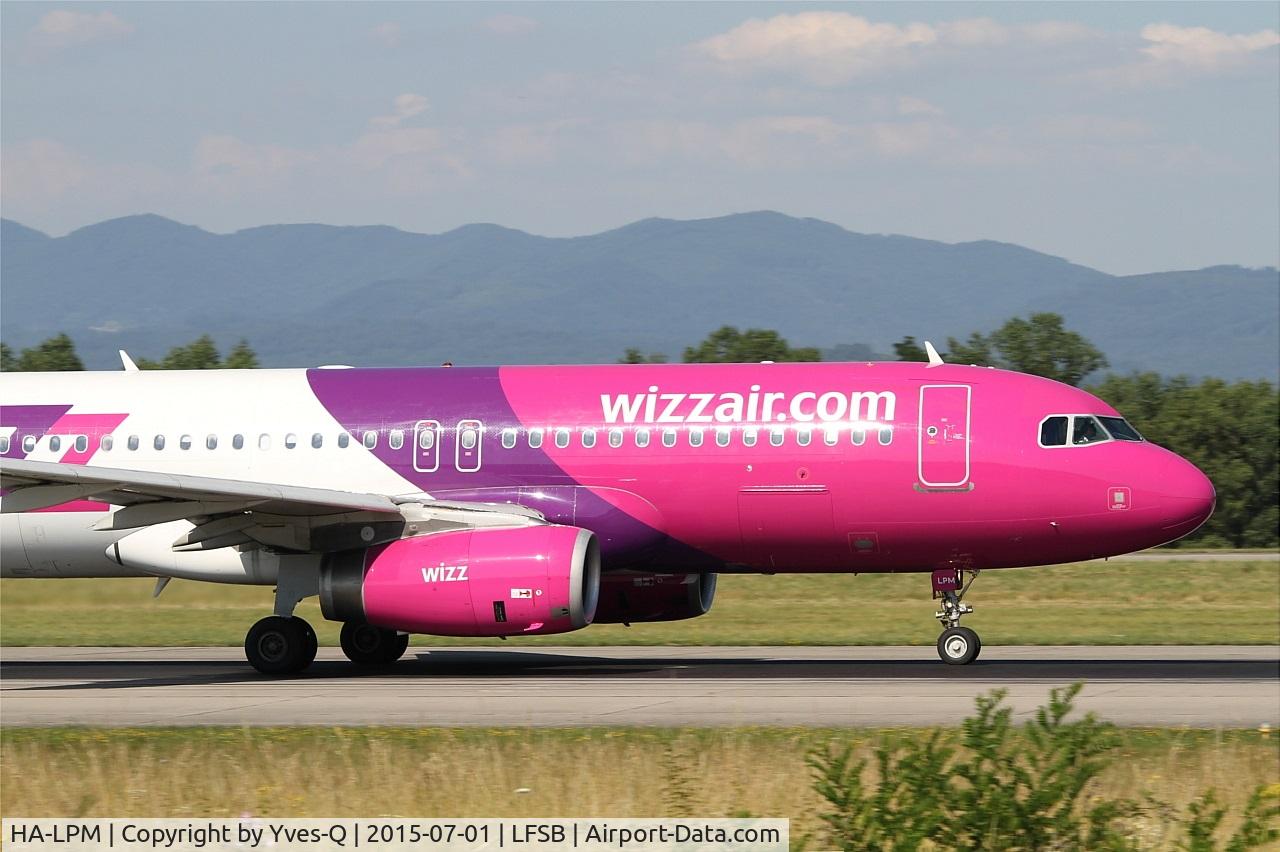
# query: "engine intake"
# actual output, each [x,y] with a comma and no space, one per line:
[495,582]
[628,597]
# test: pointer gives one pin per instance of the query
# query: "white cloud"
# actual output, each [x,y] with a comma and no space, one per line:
[405,106]
[65,28]
[1203,48]
[394,160]
[908,105]
[509,25]
[1099,129]
[826,46]
[389,33]
[833,47]
[42,166]
[1170,53]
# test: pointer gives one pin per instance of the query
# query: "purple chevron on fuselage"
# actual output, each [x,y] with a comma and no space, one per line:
[399,398]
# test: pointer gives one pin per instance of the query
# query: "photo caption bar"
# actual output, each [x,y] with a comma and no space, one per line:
[394,835]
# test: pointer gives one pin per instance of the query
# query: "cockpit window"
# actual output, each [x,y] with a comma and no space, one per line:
[1120,429]
[1053,432]
[1086,430]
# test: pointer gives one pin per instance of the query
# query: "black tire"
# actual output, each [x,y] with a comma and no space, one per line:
[958,646]
[313,644]
[368,645]
[396,647]
[278,645]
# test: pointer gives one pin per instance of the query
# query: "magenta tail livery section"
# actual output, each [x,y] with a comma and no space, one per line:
[525,500]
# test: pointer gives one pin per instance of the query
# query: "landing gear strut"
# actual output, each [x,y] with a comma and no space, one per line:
[283,644]
[957,646]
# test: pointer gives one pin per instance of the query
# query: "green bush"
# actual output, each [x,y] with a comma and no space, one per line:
[1005,788]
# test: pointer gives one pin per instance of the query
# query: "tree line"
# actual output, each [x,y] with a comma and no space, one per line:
[1230,430]
[58,353]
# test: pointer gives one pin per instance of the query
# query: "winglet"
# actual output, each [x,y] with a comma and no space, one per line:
[934,358]
[129,366]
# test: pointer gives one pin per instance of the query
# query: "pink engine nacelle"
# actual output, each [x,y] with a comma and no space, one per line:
[627,597]
[484,582]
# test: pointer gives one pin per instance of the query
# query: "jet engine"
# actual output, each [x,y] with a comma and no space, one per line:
[480,582]
[628,597]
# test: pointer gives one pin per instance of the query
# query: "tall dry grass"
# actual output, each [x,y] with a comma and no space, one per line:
[524,773]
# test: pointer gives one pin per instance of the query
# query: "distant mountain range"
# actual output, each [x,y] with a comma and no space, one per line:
[315,294]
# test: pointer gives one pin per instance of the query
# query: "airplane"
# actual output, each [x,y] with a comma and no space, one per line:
[532,500]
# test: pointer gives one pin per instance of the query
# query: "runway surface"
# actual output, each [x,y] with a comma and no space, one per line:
[1202,686]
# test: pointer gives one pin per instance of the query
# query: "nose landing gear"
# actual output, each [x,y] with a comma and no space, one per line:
[957,646]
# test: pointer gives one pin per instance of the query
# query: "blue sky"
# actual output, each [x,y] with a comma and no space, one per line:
[1130,137]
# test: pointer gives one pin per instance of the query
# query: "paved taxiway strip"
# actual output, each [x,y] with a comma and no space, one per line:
[1203,686]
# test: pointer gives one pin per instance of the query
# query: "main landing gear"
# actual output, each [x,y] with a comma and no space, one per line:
[957,646]
[371,646]
[280,645]
[283,644]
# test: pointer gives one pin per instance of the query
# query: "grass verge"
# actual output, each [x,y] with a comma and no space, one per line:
[518,772]
[1095,603]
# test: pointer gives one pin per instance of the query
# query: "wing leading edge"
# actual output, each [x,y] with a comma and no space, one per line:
[233,512]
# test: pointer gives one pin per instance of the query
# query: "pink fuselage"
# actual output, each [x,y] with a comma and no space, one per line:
[905,467]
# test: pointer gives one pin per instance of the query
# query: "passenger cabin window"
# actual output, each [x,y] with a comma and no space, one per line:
[290,441]
[588,438]
[211,442]
[1053,432]
[508,439]
[695,437]
[344,440]
[134,441]
[803,436]
[469,437]
[858,437]
[1120,429]
[562,438]
[749,436]
[615,438]
[184,442]
[723,436]
[264,441]
[317,441]
[830,436]
[4,444]
[642,438]
[29,443]
[668,437]
[1086,430]
[426,439]
[535,438]
[158,443]
[81,443]
[370,440]
[55,443]
[396,439]
[237,442]
[777,435]
[106,442]
[886,436]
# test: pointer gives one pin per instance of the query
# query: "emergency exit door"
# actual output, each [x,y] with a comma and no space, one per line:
[426,446]
[943,435]
[468,445]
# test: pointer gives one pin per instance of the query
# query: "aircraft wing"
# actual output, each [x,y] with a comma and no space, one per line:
[229,512]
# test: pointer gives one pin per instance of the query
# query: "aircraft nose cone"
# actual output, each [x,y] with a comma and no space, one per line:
[1188,496]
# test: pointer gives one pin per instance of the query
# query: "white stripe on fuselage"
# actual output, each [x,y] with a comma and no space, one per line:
[219,402]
